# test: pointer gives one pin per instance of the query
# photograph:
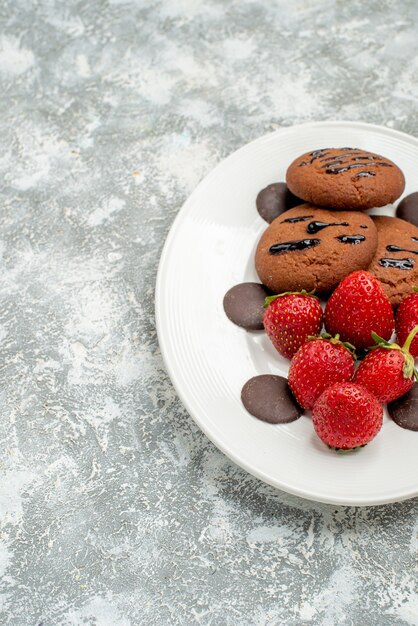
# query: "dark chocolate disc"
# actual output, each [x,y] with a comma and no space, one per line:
[408,208]
[244,305]
[269,399]
[274,200]
[404,410]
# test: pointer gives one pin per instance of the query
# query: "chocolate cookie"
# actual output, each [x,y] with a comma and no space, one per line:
[408,208]
[312,248]
[274,200]
[395,262]
[345,178]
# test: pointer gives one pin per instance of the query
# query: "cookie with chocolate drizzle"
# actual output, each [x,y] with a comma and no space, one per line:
[312,248]
[345,179]
[395,262]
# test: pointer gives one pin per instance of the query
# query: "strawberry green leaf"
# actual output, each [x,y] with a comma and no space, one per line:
[269,300]
[302,292]
[408,368]
[335,341]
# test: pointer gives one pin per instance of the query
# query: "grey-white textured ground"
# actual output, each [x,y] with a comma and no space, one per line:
[115,509]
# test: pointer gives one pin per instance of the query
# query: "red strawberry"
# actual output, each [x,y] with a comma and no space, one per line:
[388,370]
[290,318]
[317,365]
[406,319]
[357,307]
[347,416]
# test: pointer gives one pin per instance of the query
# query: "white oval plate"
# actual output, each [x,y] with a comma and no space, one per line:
[209,249]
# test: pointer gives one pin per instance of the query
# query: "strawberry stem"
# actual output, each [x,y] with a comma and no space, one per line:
[409,339]
[409,370]
[382,343]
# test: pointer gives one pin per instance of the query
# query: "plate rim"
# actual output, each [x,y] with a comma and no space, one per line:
[159,290]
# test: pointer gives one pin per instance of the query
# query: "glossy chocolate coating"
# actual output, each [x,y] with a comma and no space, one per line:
[392,248]
[363,175]
[353,166]
[354,239]
[400,264]
[314,227]
[295,220]
[291,246]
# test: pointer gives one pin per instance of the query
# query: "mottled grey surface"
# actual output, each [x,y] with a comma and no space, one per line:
[115,509]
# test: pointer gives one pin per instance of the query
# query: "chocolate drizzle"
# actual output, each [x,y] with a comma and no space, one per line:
[291,246]
[393,248]
[363,175]
[314,227]
[294,220]
[354,239]
[316,154]
[352,166]
[356,158]
[338,156]
[340,163]
[400,264]
[363,226]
